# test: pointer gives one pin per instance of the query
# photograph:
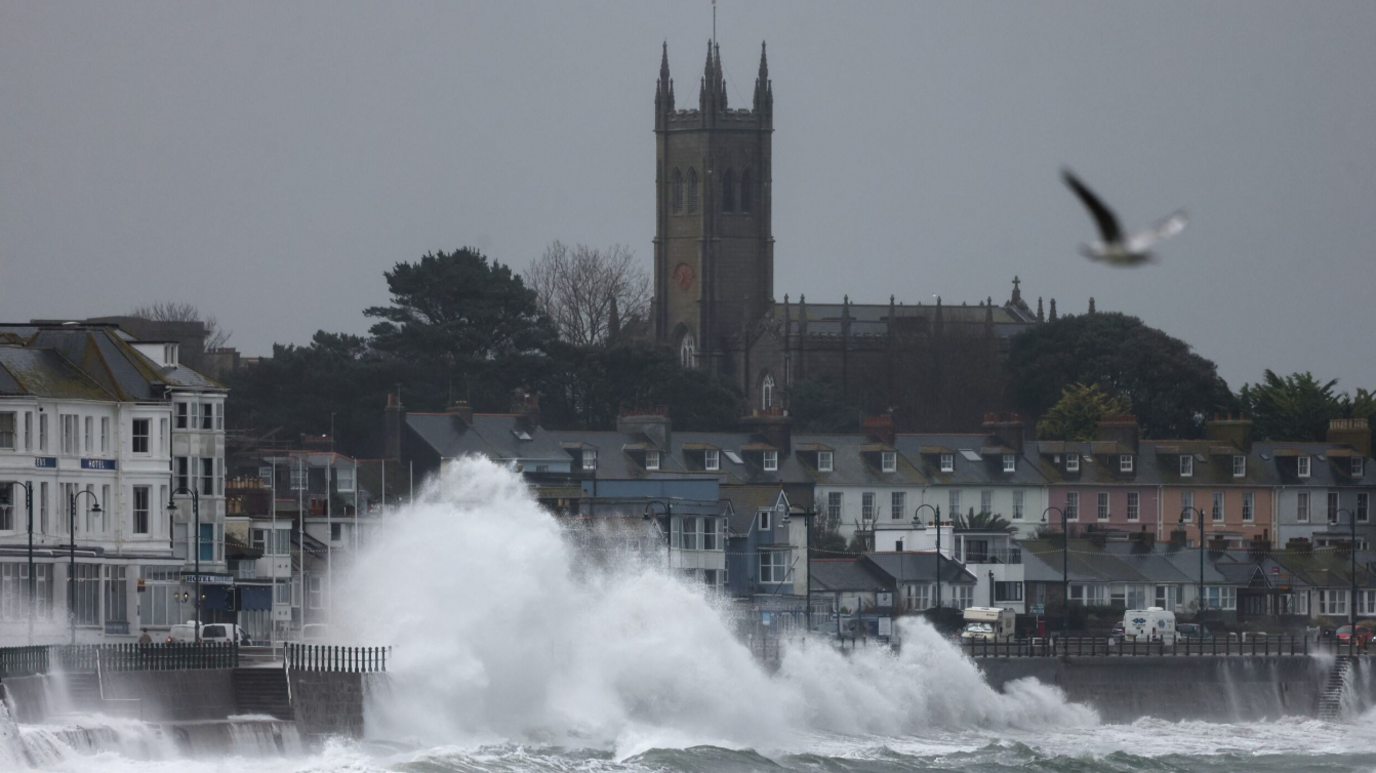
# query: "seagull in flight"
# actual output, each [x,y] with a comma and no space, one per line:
[1115,249]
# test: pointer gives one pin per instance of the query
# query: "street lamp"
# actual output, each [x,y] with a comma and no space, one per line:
[196,513]
[28,504]
[71,571]
[1199,514]
[917,521]
[807,515]
[668,531]
[1065,570]
[1351,607]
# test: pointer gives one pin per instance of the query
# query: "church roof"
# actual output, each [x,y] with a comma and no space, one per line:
[874,319]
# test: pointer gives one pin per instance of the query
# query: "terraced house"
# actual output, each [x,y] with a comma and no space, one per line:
[99,431]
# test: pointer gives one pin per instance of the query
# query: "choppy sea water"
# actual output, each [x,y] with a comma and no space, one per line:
[1147,745]
[514,652]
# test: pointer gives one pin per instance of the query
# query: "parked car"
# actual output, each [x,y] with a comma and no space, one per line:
[1363,635]
[1192,631]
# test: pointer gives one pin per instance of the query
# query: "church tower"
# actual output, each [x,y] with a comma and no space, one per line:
[714,247]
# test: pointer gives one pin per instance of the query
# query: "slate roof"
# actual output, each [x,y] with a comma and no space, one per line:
[987,471]
[746,503]
[45,373]
[1325,469]
[614,462]
[95,362]
[911,565]
[491,435]
[1115,562]
[1157,462]
[843,574]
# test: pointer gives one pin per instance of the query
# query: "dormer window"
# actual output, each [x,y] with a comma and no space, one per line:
[948,462]
[711,460]
[1303,466]
[1072,462]
[1186,466]
[765,520]
[824,461]
[589,460]
[1125,463]
[888,461]
[1358,466]
[771,461]
[652,460]
[1010,463]
[1239,466]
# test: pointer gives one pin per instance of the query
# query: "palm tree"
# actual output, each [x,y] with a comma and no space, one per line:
[984,522]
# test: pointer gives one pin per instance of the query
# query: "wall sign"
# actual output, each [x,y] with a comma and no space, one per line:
[45,462]
[97,464]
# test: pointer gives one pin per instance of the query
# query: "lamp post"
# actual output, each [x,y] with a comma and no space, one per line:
[1065,569]
[1352,605]
[807,515]
[1199,514]
[917,521]
[28,505]
[196,514]
[668,531]
[71,571]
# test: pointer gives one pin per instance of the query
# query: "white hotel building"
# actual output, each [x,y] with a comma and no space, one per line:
[88,413]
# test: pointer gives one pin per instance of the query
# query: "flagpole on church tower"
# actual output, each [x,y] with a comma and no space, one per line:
[714,22]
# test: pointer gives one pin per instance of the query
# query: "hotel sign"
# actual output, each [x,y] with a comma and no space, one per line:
[45,462]
[209,579]
[97,464]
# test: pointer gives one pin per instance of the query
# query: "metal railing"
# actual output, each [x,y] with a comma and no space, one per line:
[349,660]
[88,658]
[1087,646]
[23,661]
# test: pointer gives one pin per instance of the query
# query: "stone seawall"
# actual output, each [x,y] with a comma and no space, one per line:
[1238,689]
[327,703]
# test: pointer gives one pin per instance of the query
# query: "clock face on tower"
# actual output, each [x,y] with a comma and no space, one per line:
[683,276]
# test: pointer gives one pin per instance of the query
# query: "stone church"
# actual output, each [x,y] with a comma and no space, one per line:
[936,367]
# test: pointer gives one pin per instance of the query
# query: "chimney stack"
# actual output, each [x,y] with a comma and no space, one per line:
[1008,428]
[880,428]
[1122,428]
[774,425]
[1351,432]
[653,423]
[1236,432]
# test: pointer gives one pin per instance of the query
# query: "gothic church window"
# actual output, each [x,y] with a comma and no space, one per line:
[692,190]
[767,392]
[728,191]
[677,192]
[687,352]
[745,191]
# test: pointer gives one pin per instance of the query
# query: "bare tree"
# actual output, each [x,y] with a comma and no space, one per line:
[578,287]
[172,311]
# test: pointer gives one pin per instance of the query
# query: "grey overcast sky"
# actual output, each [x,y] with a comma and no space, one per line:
[268,161]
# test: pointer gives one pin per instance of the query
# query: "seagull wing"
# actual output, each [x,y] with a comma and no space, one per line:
[1109,230]
[1163,229]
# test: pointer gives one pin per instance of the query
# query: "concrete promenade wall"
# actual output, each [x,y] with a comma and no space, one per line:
[1217,688]
[175,696]
[323,703]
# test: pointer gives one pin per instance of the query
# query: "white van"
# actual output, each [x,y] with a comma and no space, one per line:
[214,633]
[1150,624]
[989,624]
